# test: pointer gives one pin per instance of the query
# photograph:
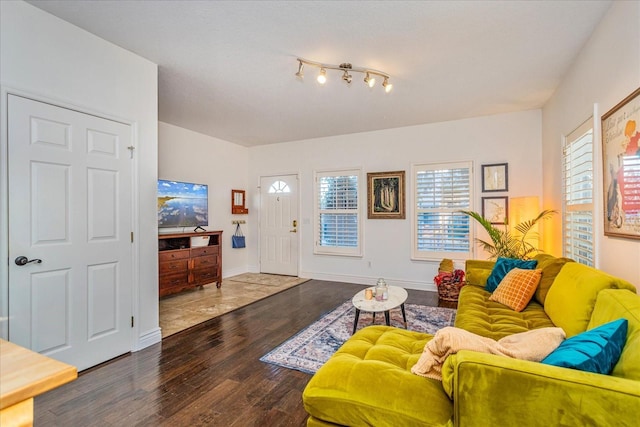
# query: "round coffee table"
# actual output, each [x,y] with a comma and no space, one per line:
[397,297]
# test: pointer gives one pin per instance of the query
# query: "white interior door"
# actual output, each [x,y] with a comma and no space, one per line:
[279,225]
[70,207]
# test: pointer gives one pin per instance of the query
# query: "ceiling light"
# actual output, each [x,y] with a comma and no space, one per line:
[386,85]
[370,81]
[346,68]
[322,77]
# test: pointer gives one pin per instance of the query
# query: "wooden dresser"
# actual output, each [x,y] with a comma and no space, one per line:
[189,260]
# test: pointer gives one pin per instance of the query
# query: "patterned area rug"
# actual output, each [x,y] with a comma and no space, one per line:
[311,348]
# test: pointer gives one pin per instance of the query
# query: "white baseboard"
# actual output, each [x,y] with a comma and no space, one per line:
[370,281]
[149,338]
[233,272]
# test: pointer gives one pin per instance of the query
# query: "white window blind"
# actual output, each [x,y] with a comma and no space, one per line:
[577,209]
[337,213]
[441,191]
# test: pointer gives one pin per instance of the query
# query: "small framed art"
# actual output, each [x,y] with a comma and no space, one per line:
[495,209]
[385,191]
[495,177]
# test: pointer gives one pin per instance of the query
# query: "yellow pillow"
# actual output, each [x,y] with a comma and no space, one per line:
[517,288]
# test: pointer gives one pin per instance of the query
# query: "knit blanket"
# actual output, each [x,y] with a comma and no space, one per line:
[533,345]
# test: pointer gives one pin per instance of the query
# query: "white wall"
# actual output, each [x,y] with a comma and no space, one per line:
[53,60]
[513,138]
[605,72]
[185,155]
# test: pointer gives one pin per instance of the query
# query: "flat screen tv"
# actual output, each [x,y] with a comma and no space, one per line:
[182,204]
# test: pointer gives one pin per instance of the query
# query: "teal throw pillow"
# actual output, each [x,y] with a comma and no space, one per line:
[596,350]
[505,265]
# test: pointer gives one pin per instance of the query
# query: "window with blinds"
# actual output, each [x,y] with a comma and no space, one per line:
[441,191]
[577,212]
[337,213]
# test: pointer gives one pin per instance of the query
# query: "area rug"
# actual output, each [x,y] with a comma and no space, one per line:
[310,348]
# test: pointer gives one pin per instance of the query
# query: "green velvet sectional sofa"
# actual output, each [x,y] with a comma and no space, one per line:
[368,382]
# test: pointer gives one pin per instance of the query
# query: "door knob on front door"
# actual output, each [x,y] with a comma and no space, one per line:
[23,260]
[293,231]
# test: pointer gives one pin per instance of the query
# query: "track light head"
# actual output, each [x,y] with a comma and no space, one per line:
[347,77]
[322,77]
[369,81]
[300,74]
[386,85]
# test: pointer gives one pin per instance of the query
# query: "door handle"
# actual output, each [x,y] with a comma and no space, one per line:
[23,260]
[293,231]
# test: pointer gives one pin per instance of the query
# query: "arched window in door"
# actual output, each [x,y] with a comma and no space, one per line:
[279,187]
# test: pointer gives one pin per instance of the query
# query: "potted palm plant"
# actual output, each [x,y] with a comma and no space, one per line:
[505,243]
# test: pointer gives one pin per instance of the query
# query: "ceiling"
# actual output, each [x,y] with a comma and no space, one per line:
[227,68]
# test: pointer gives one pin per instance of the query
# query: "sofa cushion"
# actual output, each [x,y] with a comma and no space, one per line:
[596,350]
[502,267]
[477,314]
[571,299]
[550,267]
[368,381]
[614,304]
[517,288]
[477,271]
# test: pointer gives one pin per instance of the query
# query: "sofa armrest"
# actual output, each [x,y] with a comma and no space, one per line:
[477,271]
[496,390]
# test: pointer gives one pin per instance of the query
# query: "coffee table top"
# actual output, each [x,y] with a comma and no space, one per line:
[397,297]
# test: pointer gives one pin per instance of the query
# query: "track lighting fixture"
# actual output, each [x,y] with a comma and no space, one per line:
[346,69]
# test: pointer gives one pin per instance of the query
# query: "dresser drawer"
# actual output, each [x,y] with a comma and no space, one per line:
[172,280]
[205,261]
[177,266]
[205,250]
[173,255]
[205,275]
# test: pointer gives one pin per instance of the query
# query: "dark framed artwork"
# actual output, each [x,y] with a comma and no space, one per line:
[621,168]
[495,209]
[495,177]
[385,195]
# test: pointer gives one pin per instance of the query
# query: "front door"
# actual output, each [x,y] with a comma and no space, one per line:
[70,222]
[279,225]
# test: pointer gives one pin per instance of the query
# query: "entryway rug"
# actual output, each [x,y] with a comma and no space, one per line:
[310,348]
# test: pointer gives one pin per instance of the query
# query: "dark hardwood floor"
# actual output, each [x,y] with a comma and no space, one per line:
[206,375]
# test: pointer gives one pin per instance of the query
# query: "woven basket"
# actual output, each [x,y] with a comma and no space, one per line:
[449,290]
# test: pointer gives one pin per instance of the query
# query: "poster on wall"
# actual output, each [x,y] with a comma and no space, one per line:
[621,168]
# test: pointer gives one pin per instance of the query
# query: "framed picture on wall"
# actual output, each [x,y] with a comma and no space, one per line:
[621,163]
[385,195]
[495,177]
[495,209]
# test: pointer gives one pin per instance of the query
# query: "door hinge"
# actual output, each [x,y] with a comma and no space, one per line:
[132,237]
[132,321]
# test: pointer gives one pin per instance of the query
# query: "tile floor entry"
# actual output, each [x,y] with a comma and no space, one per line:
[181,311]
